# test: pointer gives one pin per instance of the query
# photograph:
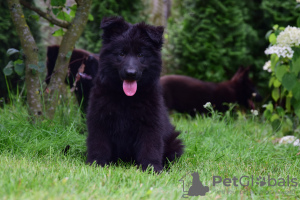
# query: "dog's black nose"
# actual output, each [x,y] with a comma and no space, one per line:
[130,73]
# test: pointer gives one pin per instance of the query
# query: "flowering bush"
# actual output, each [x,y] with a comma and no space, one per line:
[284,67]
[280,51]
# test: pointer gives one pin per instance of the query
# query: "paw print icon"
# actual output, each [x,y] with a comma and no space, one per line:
[261,181]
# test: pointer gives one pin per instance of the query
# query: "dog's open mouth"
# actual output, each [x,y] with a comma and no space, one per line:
[129,87]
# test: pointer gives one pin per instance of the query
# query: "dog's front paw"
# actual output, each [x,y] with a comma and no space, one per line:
[97,162]
[157,168]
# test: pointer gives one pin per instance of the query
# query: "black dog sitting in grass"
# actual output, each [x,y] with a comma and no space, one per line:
[126,116]
[188,95]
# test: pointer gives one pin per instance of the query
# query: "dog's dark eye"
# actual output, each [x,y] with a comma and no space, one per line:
[122,54]
[140,55]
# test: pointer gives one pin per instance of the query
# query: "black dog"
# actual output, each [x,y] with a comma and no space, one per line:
[83,68]
[126,116]
[188,95]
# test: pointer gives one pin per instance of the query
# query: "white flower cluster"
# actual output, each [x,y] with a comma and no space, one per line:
[207,105]
[289,37]
[290,139]
[267,65]
[286,52]
[254,112]
[298,1]
[286,39]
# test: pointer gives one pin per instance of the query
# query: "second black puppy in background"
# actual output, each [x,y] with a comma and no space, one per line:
[83,80]
[188,95]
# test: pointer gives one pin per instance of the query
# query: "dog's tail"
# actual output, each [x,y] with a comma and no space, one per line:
[173,148]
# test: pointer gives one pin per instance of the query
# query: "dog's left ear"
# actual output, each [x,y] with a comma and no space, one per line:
[155,33]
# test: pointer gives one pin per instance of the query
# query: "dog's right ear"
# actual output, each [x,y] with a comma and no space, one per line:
[112,27]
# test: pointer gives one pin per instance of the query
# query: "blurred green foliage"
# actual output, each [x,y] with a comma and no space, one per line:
[210,39]
[206,39]
[131,11]
[10,39]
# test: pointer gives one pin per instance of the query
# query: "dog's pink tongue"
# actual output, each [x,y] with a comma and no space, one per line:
[129,87]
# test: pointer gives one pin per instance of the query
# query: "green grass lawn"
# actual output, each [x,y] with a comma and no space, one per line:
[33,165]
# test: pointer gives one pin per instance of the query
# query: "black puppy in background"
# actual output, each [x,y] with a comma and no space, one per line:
[188,95]
[126,116]
[83,68]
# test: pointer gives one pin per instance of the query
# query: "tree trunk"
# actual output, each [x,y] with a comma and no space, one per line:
[75,29]
[30,57]
[157,12]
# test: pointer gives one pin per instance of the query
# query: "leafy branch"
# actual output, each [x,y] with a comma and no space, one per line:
[47,16]
[74,24]
[55,88]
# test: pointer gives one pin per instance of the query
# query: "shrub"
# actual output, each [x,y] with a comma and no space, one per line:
[209,40]
[284,66]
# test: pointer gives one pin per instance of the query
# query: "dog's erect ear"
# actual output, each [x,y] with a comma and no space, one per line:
[245,73]
[112,27]
[238,74]
[241,74]
[246,70]
[155,33]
